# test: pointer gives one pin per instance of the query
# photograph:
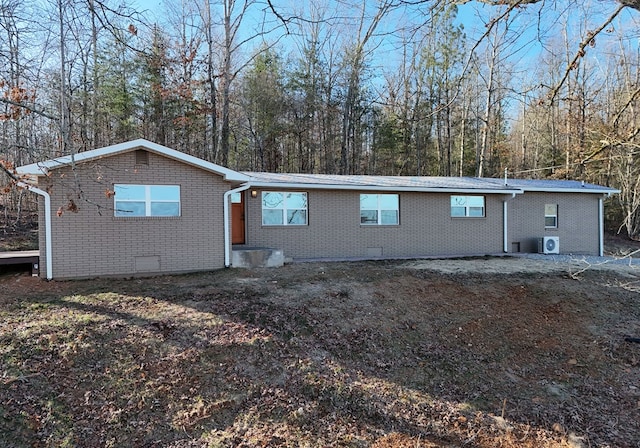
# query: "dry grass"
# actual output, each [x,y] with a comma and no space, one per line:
[344,354]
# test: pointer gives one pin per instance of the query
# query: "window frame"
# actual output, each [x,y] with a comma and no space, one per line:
[554,216]
[467,207]
[285,209]
[379,209]
[148,201]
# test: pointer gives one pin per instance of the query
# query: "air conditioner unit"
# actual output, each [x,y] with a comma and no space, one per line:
[549,245]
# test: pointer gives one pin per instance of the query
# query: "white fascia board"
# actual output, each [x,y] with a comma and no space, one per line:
[303,186]
[571,190]
[42,168]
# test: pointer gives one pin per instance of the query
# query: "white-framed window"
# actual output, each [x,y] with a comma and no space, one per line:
[146,200]
[379,209]
[284,208]
[467,206]
[551,216]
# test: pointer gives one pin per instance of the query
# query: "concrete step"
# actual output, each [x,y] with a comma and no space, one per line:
[256,257]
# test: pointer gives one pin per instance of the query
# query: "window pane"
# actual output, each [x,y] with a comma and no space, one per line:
[165,193]
[130,209]
[389,202]
[236,198]
[165,209]
[272,217]
[368,201]
[272,200]
[475,201]
[296,200]
[550,221]
[550,209]
[388,217]
[457,211]
[368,216]
[297,217]
[476,211]
[129,192]
[457,201]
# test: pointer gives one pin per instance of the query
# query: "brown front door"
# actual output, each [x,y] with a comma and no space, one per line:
[237,218]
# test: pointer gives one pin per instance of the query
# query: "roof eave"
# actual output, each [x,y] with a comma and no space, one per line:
[289,185]
[42,168]
[571,190]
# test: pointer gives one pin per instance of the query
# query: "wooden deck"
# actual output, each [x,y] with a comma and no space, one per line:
[31,257]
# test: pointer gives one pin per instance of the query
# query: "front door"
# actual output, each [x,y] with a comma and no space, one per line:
[237,218]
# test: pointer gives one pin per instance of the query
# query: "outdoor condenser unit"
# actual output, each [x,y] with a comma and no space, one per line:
[549,245]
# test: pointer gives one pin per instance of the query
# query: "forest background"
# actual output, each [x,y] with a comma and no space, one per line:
[531,88]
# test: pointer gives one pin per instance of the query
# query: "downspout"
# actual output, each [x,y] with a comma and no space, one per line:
[505,243]
[600,227]
[505,228]
[505,224]
[227,230]
[47,224]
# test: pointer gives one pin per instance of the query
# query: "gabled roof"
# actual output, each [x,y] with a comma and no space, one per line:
[329,181]
[421,183]
[42,168]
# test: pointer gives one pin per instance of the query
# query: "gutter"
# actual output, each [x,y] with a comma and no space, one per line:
[47,224]
[355,187]
[227,230]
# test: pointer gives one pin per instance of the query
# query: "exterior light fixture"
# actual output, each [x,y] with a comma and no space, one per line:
[254,193]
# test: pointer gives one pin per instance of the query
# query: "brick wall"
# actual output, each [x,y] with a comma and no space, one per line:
[425,228]
[93,242]
[577,221]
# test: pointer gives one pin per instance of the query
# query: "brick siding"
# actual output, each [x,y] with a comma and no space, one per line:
[92,242]
[577,221]
[334,229]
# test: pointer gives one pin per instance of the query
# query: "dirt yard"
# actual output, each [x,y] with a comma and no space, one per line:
[491,352]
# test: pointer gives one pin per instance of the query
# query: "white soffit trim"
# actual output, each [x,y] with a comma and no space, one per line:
[305,186]
[571,190]
[41,168]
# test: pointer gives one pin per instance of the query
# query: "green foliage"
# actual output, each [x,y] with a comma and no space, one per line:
[264,104]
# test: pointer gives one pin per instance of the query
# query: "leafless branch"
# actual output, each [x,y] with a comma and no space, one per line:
[32,109]
[588,40]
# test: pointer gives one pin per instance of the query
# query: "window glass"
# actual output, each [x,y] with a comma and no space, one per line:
[164,193]
[467,206]
[368,201]
[129,192]
[477,212]
[146,200]
[272,200]
[379,209]
[297,200]
[236,198]
[368,216]
[551,216]
[389,202]
[388,217]
[457,211]
[280,208]
[272,217]
[130,208]
[297,217]
[165,209]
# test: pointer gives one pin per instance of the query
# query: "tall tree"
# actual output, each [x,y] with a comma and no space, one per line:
[264,105]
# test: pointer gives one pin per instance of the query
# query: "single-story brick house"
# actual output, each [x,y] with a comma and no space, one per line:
[139,208]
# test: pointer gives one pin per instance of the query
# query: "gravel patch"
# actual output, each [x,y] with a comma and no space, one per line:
[530,263]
